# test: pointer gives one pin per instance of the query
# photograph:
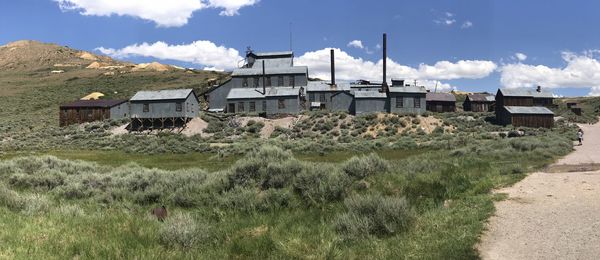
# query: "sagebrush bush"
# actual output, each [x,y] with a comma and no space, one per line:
[374,215]
[181,230]
[360,167]
[319,184]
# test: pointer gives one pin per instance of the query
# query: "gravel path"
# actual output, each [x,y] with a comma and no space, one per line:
[550,215]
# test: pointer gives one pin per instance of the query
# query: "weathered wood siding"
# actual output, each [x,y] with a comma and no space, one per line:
[524,120]
[441,106]
[69,116]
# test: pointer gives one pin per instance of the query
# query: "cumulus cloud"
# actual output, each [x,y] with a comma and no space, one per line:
[204,53]
[466,24]
[356,44]
[581,71]
[352,68]
[163,13]
[520,56]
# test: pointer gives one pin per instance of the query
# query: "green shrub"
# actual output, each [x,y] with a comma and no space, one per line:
[319,184]
[374,215]
[180,230]
[360,167]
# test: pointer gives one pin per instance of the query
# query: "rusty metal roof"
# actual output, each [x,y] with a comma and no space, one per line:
[98,103]
[446,97]
[480,97]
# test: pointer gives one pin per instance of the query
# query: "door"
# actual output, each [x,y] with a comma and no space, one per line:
[231,108]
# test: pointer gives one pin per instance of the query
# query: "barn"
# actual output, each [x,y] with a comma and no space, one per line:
[519,116]
[163,109]
[441,102]
[82,111]
[479,102]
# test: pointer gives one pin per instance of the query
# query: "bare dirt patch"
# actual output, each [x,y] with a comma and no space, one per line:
[270,124]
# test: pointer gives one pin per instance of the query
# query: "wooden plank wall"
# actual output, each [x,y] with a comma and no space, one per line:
[535,121]
[71,116]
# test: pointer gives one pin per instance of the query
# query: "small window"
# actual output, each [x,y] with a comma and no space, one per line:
[311,97]
[280,81]
[281,103]
[399,102]
[178,107]
[146,107]
[240,107]
[417,102]
[256,82]
[245,82]
[264,106]
[292,81]
[252,106]
[268,81]
[322,98]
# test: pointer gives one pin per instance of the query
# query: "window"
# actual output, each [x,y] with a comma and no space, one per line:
[252,106]
[178,107]
[264,106]
[146,107]
[281,103]
[268,82]
[240,107]
[256,82]
[245,82]
[292,81]
[399,102]
[322,98]
[311,97]
[417,102]
[280,81]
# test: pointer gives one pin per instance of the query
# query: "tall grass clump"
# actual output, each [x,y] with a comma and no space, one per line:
[181,230]
[319,184]
[374,215]
[360,167]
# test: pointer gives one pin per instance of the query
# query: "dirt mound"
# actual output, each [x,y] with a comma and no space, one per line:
[154,66]
[270,124]
[88,56]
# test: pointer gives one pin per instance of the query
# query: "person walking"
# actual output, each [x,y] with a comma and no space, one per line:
[580,136]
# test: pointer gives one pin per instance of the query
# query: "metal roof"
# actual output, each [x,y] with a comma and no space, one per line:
[257,70]
[322,86]
[245,93]
[369,94]
[281,92]
[446,97]
[408,89]
[97,103]
[519,92]
[480,97]
[529,110]
[170,94]
[273,53]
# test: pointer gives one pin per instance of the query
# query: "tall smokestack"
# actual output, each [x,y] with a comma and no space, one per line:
[332,67]
[384,85]
[264,78]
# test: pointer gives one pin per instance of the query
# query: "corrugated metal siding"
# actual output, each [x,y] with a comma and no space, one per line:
[292,105]
[120,111]
[370,105]
[165,109]
[408,106]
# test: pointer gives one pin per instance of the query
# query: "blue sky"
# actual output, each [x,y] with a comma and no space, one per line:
[556,40]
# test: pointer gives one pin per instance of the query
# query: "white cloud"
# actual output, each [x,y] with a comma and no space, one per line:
[520,56]
[352,68]
[595,92]
[356,44]
[581,71]
[203,53]
[449,14]
[466,24]
[163,13]
[449,21]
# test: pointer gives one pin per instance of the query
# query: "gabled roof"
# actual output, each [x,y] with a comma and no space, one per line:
[369,94]
[97,103]
[278,70]
[529,110]
[170,94]
[446,97]
[480,97]
[245,93]
[519,92]
[408,89]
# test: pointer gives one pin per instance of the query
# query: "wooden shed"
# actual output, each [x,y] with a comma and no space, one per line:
[82,111]
[519,116]
[163,109]
[441,102]
[479,102]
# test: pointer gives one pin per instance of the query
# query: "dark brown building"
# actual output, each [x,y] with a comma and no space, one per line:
[524,108]
[441,102]
[82,111]
[479,102]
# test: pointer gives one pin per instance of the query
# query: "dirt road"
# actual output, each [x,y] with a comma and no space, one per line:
[550,215]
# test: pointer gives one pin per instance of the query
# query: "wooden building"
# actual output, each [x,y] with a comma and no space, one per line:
[163,109]
[479,102]
[82,111]
[441,102]
[526,116]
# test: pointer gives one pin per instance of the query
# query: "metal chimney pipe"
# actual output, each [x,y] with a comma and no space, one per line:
[332,67]
[264,78]
[384,85]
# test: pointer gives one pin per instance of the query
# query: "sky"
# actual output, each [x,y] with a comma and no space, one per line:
[468,45]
